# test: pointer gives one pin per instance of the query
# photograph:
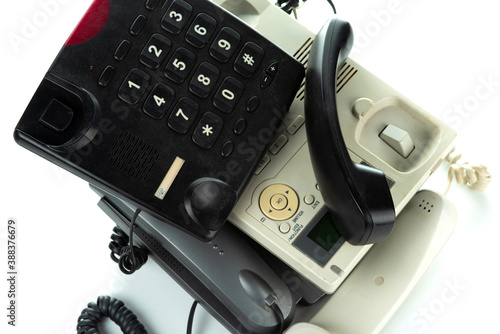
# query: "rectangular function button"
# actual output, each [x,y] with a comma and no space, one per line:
[134,86]
[151,4]
[159,100]
[122,50]
[201,30]
[176,16]
[278,144]
[207,130]
[138,25]
[249,59]
[155,51]
[296,124]
[106,76]
[180,65]
[262,164]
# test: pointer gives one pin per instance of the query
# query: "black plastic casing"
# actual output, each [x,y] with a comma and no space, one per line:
[105,127]
[357,196]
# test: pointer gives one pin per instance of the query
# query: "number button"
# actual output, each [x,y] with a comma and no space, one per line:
[228,94]
[201,30]
[155,51]
[207,130]
[249,59]
[176,16]
[225,44]
[180,65]
[204,80]
[159,101]
[134,86]
[183,115]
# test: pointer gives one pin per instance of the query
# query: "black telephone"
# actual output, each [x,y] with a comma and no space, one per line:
[357,196]
[169,104]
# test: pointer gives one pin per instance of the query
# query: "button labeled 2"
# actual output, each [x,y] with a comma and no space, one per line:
[155,51]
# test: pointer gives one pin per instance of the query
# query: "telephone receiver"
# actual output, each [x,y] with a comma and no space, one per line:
[357,195]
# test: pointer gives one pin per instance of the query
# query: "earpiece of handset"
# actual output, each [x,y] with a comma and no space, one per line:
[357,196]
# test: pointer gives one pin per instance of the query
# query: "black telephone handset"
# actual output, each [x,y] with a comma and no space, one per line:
[357,196]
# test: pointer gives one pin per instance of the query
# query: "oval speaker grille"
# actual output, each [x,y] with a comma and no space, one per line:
[133,156]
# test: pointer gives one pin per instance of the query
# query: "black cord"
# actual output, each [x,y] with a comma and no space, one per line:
[333,6]
[271,301]
[289,5]
[130,258]
[191,317]
[114,309]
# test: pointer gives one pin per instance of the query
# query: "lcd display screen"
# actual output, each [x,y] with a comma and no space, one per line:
[324,234]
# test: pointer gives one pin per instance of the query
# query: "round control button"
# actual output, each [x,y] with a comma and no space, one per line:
[285,228]
[279,202]
[309,199]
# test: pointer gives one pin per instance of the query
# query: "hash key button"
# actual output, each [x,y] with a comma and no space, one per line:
[134,86]
[207,130]
[249,59]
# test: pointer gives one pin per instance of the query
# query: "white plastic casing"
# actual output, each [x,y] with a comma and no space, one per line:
[288,161]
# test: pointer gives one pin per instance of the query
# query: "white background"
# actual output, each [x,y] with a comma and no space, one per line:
[437,53]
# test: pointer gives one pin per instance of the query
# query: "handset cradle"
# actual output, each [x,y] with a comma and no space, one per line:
[357,196]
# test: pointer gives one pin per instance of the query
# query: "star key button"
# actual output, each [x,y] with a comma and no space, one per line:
[207,130]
